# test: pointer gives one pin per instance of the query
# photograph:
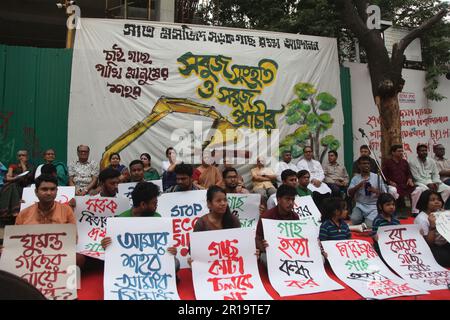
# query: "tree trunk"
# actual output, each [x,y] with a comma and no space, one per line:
[390,124]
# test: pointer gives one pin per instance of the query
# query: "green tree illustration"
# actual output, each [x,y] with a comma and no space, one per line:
[304,111]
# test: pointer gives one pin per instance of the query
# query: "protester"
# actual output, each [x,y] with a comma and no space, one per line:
[83,173]
[429,203]
[150,173]
[333,227]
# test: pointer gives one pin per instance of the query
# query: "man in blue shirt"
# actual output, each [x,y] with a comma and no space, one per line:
[365,188]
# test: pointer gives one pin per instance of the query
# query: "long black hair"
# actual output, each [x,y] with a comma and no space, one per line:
[227,219]
[422,203]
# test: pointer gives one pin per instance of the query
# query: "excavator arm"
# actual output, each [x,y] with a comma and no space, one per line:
[163,107]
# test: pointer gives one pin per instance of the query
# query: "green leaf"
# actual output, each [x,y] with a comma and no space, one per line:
[289,140]
[334,145]
[326,118]
[326,101]
[293,118]
[327,140]
[304,90]
[313,121]
[302,133]
[297,151]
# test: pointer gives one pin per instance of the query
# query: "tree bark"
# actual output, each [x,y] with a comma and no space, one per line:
[385,72]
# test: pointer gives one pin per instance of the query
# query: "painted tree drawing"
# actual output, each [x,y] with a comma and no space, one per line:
[305,111]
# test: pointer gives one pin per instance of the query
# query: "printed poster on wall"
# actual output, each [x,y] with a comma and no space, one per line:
[151,85]
[225,266]
[357,264]
[137,263]
[407,253]
[294,258]
[44,256]
[422,120]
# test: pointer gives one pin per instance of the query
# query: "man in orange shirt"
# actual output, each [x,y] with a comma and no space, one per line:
[47,210]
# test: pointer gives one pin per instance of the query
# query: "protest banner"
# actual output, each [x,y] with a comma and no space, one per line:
[404,249]
[294,259]
[91,214]
[225,266]
[44,256]
[137,263]
[357,264]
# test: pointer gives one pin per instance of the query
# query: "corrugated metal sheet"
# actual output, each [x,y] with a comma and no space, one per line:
[34,101]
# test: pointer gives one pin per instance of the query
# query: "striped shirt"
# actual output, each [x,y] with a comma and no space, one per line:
[330,231]
[380,221]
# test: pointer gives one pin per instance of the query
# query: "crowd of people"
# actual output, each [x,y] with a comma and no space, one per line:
[366,200]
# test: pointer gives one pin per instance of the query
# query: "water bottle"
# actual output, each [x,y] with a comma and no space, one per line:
[366,189]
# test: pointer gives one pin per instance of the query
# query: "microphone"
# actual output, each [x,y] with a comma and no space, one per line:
[362,132]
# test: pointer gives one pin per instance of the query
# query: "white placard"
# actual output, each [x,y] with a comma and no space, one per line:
[245,207]
[225,265]
[185,208]
[443,224]
[91,214]
[294,259]
[137,263]
[44,256]
[357,264]
[63,196]
[404,249]
[305,208]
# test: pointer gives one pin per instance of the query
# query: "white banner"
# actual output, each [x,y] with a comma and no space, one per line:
[422,121]
[137,263]
[44,256]
[357,264]
[443,224]
[306,209]
[294,259]
[125,189]
[151,85]
[404,249]
[245,207]
[225,266]
[92,214]
[63,196]
[185,208]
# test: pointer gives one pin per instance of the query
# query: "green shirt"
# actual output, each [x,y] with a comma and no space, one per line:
[302,192]
[152,174]
[128,214]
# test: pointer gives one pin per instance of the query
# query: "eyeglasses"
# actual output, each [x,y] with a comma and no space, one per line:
[21,155]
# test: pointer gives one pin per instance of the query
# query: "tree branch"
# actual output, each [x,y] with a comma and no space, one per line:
[361,6]
[419,31]
[351,17]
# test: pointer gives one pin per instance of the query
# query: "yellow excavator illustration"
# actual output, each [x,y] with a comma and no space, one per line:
[165,106]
